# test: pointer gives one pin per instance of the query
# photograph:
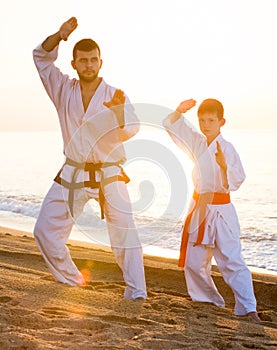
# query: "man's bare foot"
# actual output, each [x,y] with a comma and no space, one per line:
[255,317]
[139,299]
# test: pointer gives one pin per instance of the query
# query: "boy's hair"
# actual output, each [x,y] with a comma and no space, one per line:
[85,45]
[211,105]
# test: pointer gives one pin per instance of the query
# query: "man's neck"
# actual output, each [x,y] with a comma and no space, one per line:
[91,85]
[88,90]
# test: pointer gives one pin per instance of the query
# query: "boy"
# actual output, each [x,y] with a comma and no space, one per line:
[211,227]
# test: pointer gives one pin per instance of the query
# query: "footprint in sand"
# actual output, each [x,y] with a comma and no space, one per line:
[56,312]
[5,299]
[104,286]
[52,312]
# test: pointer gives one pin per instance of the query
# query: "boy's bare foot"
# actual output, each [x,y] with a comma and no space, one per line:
[255,317]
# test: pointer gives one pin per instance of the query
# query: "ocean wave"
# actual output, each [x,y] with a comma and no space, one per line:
[256,234]
[258,246]
[28,207]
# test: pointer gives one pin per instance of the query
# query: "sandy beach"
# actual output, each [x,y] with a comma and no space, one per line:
[39,313]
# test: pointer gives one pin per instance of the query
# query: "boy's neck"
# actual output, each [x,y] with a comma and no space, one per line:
[210,139]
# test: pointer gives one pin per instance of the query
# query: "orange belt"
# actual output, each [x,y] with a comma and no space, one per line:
[201,201]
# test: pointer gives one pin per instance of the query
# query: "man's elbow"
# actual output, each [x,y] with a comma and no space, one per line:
[129,131]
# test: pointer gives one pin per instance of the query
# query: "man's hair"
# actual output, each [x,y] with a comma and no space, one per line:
[85,45]
[211,105]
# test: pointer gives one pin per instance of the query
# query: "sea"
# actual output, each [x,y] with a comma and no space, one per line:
[160,189]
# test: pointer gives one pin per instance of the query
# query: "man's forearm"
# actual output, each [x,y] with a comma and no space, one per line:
[120,117]
[51,42]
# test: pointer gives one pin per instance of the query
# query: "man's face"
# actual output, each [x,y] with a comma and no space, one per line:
[210,124]
[87,65]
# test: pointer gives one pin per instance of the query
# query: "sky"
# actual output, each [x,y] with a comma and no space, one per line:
[158,51]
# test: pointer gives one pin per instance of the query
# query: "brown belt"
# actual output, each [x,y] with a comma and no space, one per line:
[91,183]
[201,201]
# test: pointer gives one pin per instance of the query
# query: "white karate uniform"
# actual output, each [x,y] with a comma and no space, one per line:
[93,136]
[222,231]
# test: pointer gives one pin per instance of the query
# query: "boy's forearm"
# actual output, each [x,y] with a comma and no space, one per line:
[224,177]
[51,42]
[173,117]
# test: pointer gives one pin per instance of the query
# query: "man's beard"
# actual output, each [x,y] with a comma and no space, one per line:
[86,78]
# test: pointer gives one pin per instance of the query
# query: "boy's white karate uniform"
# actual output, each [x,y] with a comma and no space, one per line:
[93,136]
[222,231]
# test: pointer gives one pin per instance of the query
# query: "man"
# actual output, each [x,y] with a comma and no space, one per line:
[95,120]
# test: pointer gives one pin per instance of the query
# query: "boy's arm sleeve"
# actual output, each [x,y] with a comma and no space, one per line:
[235,171]
[184,135]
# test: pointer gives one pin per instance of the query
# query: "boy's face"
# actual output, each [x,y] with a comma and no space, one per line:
[210,125]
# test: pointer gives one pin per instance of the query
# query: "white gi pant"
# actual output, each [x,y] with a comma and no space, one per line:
[54,225]
[227,253]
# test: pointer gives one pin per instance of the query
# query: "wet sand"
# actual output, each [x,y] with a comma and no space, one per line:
[40,313]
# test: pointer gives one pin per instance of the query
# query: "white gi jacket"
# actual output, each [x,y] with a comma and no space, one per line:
[92,136]
[206,175]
